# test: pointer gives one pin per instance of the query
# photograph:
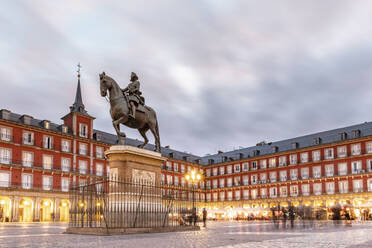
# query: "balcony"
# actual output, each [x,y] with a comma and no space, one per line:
[317,192]
[29,142]
[330,192]
[305,177]
[6,137]
[359,171]
[65,149]
[358,190]
[48,145]
[294,178]
[305,193]
[283,179]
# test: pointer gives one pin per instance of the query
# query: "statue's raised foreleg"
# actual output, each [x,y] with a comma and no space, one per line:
[143,131]
[121,135]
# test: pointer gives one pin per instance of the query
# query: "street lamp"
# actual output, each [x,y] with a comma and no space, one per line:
[193,177]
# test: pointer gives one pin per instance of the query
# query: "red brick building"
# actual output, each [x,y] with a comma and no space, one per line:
[41,160]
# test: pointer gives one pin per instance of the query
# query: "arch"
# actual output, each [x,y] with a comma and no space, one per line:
[5,209]
[46,210]
[64,210]
[25,211]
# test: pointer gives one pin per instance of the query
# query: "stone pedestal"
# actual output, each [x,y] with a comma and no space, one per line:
[135,163]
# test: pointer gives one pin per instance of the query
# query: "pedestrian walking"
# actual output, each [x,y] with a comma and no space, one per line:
[204,217]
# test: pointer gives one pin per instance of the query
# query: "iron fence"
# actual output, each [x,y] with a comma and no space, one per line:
[127,203]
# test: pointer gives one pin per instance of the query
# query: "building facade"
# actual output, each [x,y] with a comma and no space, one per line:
[40,161]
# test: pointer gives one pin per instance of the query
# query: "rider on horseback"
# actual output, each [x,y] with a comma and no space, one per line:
[134,94]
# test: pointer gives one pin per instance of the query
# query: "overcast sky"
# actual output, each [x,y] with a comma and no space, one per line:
[220,74]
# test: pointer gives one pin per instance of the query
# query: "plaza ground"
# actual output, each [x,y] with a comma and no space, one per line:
[217,234]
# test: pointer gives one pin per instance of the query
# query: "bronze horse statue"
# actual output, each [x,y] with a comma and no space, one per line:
[145,118]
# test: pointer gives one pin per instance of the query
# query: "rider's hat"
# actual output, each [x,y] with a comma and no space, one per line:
[133,77]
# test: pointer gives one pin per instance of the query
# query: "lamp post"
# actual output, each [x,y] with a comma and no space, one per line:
[193,177]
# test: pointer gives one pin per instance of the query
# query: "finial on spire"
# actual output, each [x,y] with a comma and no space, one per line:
[78,71]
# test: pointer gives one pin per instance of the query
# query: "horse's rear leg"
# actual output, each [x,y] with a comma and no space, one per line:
[154,131]
[143,131]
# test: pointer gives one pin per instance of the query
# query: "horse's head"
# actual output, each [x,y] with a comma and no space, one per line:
[103,82]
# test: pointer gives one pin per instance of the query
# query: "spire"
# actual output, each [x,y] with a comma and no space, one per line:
[78,105]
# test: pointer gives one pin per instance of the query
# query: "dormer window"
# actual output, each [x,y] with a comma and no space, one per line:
[97,136]
[343,136]
[294,145]
[275,149]
[46,124]
[317,141]
[211,161]
[64,129]
[256,153]
[356,133]
[5,114]
[83,130]
[26,119]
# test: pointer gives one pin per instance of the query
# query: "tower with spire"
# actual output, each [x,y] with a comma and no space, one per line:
[78,119]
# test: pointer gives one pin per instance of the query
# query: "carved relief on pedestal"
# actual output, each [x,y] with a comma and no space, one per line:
[144,176]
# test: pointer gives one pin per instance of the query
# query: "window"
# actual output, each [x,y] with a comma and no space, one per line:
[177,180]
[369,165]
[183,170]
[5,156]
[83,149]
[4,179]
[294,173]
[83,165]
[357,186]
[47,182]
[356,167]
[282,161]
[305,189]
[208,172]
[66,145]
[175,166]
[47,162]
[99,152]
[263,177]
[343,186]
[188,168]
[263,192]
[65,184]
[245,167]
[222,170]
[66,163]
[329,170]
[82,182]
[317,188]
[293,159]
[369,147]
[341,151]
[183,182]
[229,182]
[273,192]
[245,194]
[342,169]
[222,182]
[254,165]
[273,176]
[263,164]
[237,181]
[245,180]
[27,159]
[208,197]
[355,149]
[316,155]
[229,195]
[283,175]
[283,191]
[237,195]
[215,183]
[26,181]
[64,129]
[369,185]
[254,193]
[99,169]
[48,142]
[328,153]
[293,190]
[215,171]
[83,131]
[229,169]
[169,179]
[304,157]
[317,171]
[254,179]
[330,187]
[237,168]
[305,173]
[202,184]
[5,134]
[28,138]
[272,162]
[222,195]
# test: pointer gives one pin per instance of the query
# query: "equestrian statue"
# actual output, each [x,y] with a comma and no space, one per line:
[127,107]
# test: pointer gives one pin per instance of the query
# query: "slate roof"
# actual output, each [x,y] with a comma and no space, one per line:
[326,137]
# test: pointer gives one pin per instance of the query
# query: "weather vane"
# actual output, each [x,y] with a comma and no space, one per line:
[78,71]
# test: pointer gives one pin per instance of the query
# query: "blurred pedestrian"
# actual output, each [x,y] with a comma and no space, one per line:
[204,217]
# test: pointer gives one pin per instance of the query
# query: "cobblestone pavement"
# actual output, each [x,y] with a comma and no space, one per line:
[217,234]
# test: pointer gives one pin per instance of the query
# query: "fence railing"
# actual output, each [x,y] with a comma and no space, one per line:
[127,203]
